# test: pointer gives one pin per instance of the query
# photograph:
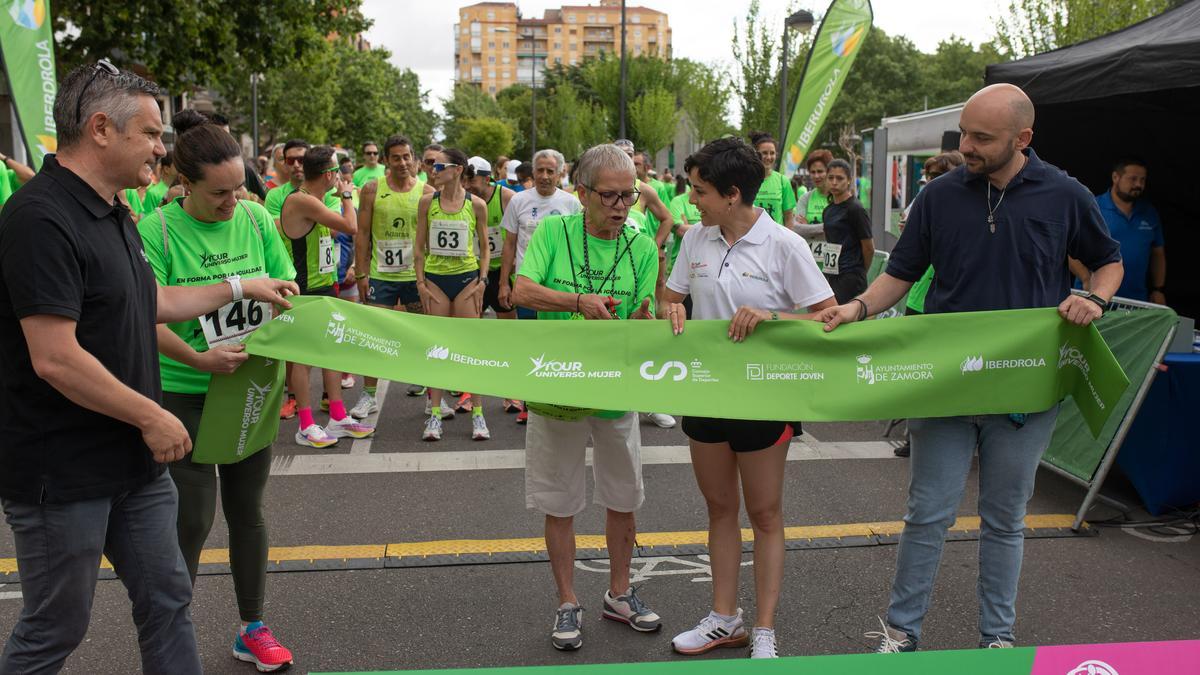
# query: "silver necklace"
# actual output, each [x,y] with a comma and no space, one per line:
[992,210]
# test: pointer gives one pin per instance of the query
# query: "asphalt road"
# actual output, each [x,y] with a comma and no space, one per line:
[1117,586]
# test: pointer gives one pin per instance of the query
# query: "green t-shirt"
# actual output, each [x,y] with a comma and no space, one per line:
[681,207]
[276,195]
[916,296]
[625,268]
[199,254]
[495,232]
[451,238]
[154,196]
[816,203]
[137,203]
[800,191]
[666,192]
[363,174]
[8,184]
[775,196]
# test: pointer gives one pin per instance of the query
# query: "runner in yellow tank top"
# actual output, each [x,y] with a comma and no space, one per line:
[383,247]
[451,277]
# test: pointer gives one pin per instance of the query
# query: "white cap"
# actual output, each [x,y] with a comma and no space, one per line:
[512,170]
[480,165]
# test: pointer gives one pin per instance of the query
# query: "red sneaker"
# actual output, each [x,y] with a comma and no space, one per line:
[257,645]
[288,411]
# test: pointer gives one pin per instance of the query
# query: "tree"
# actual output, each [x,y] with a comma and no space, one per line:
[756,53]
[283,110]
[1036,26]
[653,117]
[485,136]
[706,102]
[376,99]
[468,102]
[514,107]
[185,45]
[571,124]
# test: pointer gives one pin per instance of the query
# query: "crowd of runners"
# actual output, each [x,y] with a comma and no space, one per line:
[110,339]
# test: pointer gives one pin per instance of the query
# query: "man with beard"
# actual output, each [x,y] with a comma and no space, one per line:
[1135,224]
[998,231]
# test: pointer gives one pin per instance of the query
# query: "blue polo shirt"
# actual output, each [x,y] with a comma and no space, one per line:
[1045,216]
[1137,234]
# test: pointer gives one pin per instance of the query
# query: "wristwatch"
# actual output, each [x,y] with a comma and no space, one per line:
[235,282]
[346,194]
[1097,299]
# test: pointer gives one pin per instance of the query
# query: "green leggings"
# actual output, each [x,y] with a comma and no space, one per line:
[242,487]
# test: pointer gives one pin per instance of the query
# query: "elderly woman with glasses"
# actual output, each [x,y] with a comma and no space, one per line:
[590,266]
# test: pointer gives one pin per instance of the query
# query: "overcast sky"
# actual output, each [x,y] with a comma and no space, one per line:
[420,36]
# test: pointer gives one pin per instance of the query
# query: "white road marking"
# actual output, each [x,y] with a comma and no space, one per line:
[362,446]
[9,595]
[804,448]
[641,569]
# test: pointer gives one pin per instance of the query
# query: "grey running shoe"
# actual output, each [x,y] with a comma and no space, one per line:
[415,390]
[630,609]
[568,627]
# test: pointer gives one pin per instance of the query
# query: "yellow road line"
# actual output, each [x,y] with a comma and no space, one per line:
[453,547]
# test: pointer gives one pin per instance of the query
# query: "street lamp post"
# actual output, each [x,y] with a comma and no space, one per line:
[624,75]
[532,92]
[803,22]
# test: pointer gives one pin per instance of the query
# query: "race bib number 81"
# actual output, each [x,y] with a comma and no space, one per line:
[231,323]
[327,263]
[394,255]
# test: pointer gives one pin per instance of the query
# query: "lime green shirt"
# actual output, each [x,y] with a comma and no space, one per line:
[775,196]
[394,231]
[495,232]
[625,268]
[363,174]
[681,207]
[916,296]
[451,238]
[276,195]
[154,196]
[817,201]
[8,184]
[198,254]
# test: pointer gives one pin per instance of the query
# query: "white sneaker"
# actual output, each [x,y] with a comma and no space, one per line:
[348,426]
[711,633]
[433,429]
[661,420]
[447,409]
[315,437]
[366,405]
[479,430]
[763,644]
[348,381]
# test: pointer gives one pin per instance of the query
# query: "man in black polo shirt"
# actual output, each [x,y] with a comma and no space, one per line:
[999,231]
[85,439]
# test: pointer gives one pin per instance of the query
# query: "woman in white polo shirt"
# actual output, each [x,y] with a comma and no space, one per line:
[741,266]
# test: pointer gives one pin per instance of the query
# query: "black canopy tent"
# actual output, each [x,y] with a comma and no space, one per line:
[1135,91]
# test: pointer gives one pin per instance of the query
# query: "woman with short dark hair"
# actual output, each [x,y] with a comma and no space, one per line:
[740,266]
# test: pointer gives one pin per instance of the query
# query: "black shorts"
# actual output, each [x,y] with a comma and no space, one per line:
[741,435]
[491,294]
[330,291]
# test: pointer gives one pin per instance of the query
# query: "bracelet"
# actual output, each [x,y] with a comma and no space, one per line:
[774,316]
[235,284]
[578,297]
[863,314]
[1100,302]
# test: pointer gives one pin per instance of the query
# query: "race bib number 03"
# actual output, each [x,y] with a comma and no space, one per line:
[393,255]
[449,238]
[231,323]
[828,256]
[327,263]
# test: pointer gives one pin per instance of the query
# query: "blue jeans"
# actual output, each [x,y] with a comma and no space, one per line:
[58,558]
[942,450]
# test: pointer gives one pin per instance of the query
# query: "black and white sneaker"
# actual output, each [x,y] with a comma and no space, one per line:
[568,627]
[712,632]
[630,609]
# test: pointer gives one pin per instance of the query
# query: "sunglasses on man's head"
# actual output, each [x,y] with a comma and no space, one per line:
[103,65]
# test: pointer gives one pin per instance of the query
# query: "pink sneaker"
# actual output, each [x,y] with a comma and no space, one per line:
[257,645]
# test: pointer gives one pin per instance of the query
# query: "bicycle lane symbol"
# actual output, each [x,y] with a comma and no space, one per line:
[641,569]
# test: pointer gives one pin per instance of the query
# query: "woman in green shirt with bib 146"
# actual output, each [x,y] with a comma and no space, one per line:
[206,237]
[451,274]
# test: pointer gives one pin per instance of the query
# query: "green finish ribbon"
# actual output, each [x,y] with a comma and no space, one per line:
[1017,361]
